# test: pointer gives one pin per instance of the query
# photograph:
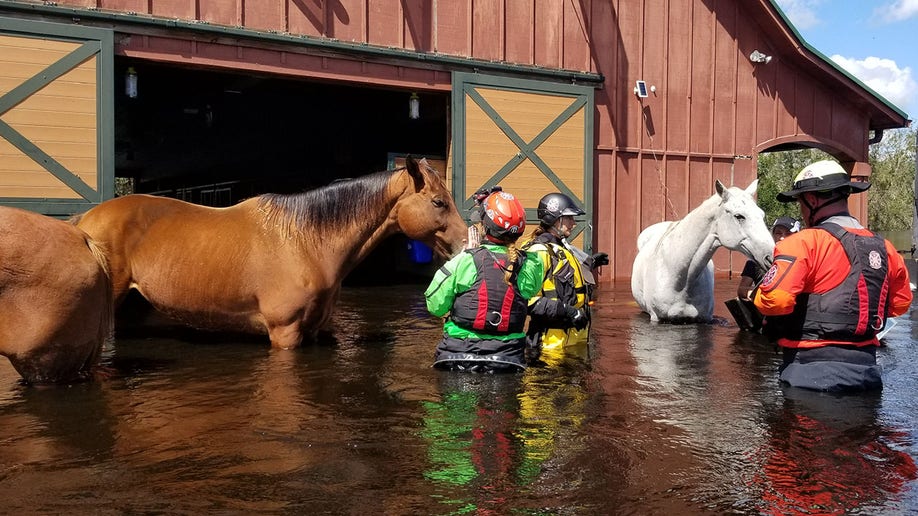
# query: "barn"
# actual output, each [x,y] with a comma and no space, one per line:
[632,107]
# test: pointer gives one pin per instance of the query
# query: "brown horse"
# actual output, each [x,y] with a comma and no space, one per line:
[273,263]
[55,298]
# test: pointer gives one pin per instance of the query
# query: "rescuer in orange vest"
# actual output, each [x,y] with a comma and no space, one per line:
[831,288]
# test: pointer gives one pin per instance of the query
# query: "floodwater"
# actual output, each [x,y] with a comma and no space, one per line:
[652,419]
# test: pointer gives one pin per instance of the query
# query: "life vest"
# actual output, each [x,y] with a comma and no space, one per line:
[856,309]
[564,279]
[490,305]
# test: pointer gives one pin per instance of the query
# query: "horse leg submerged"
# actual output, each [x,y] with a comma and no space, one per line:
[645,271]
[665,293]
[694,304]
[672,276]
[290,319]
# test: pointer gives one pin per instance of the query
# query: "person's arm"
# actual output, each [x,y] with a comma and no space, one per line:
[449,280]
[777,293]
[900,290]
[744,289]
[540,306]
[555,311]
[532,273]
[747,280]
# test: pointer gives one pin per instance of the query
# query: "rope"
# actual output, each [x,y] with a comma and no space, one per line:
[656,160]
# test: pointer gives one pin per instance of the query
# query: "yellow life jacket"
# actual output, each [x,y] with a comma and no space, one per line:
[564,281]
[564,277]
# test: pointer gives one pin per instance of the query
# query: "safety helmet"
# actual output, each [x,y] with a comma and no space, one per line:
[554,206]
[504,217]
[822,176]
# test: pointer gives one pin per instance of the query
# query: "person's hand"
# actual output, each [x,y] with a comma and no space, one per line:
[477,211]
[599,259]
[474,238]
[578,317]
[483,194]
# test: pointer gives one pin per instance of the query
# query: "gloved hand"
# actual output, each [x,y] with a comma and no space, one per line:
[477,211]
[599,259]
[483,194]
[577,317]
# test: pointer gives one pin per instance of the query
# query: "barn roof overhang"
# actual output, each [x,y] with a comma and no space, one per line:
[882,113]
[133,23]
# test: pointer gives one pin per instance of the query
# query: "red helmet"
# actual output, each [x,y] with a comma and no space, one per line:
[504,217]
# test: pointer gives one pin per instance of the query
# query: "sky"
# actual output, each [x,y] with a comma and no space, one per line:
[873,40]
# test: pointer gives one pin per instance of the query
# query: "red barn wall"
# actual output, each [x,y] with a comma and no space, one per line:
[712,112]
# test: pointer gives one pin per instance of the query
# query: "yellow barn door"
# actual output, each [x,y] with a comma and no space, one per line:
[529,137]
[56,116]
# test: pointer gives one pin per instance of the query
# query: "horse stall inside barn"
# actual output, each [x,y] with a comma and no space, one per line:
[216,138]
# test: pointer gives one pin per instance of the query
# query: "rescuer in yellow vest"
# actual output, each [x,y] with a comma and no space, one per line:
[560,312]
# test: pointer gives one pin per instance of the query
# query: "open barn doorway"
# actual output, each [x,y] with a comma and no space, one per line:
[216,137]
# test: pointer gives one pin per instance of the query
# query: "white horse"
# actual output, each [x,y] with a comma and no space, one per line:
[673,276]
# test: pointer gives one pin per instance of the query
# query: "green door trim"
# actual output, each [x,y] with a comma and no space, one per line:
[465,86]
[93,42]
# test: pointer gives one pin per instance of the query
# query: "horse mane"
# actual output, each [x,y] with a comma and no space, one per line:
[342,203]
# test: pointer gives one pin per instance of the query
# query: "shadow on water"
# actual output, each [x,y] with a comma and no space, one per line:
[648,419]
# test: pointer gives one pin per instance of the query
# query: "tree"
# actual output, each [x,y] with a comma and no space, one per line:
[776,172]
[891,201]
[892,193]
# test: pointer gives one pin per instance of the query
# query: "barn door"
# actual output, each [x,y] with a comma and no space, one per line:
[56,116]
[530,137]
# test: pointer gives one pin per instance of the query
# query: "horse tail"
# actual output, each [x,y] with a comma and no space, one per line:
[107,323]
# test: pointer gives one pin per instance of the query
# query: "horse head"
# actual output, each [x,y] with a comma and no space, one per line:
[740,225]
[427,212]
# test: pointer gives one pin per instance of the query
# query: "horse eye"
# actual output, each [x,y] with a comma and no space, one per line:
[740,218]
[438,203]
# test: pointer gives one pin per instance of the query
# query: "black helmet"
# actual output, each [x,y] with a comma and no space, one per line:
[554,206]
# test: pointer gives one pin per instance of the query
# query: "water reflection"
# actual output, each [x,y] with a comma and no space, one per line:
[828,454]
[648,419]
[491,437]
[472,443]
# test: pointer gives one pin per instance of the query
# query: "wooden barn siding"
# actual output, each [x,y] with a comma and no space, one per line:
[713,110]
[548,33]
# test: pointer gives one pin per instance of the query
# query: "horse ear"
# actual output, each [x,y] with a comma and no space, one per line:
[753,186]
[719,187]
[414,170]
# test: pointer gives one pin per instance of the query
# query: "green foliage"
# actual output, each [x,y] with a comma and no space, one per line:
[892,194]
[776,174]
[891,201]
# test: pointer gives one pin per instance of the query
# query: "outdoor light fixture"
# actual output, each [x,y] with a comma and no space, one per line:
[130,83]
[758,57]
[414,107]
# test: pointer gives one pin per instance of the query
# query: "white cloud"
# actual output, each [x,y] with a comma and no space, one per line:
[802,13]
[897,11]
[884,77]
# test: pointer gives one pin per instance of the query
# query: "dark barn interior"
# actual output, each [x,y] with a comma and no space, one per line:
[215,138]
